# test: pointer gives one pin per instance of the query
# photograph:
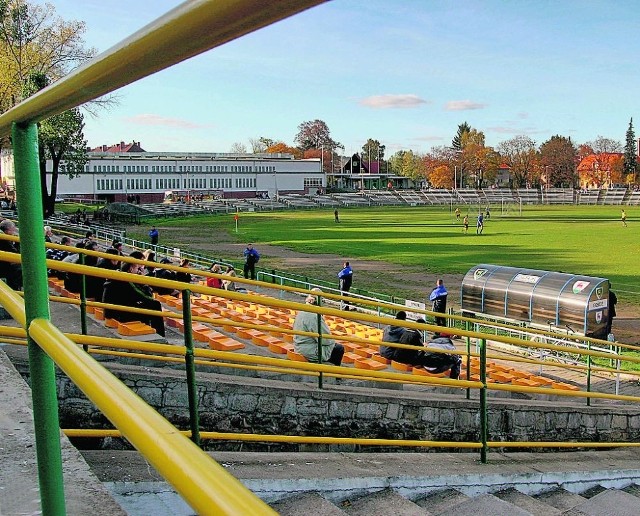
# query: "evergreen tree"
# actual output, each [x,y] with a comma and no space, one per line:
[630,157]
[457,142]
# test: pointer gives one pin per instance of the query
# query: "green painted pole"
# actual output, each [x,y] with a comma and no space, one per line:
[319,301]
[468,358]
[83,304]
[192,389]
[484,421]
[589,373]
[36,300]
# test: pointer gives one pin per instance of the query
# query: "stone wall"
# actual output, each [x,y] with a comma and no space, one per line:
[252,405]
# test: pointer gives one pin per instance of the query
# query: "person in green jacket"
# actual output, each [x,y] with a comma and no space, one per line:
[308,345]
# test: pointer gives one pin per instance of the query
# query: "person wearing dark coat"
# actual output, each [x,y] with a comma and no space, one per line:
[135,295]
[393,334]
[438,297]
[11,272]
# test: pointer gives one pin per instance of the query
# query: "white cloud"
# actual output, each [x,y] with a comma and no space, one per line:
[463,105]
[392,101]
[158,120]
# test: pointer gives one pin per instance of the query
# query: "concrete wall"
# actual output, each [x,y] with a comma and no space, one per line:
[253,405]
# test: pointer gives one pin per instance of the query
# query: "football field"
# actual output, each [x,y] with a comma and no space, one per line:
[587,240]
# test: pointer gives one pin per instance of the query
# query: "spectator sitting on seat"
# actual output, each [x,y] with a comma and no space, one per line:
[215,282]
[126,293]
[48,234]
[308,345]
[392,334]
[440,362]
[59,254]
[12,272]
[93,285]
[166,274]
[183,276]
[150,256]
[111,264]
[230,284]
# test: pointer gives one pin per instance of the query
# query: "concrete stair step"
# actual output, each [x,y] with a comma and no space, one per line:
[485,504]
[526,502]
[610,501]
[383,502]
[441,501]
[561,499]
[306,504]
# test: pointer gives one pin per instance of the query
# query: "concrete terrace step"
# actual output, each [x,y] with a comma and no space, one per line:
[383,502]
[609,501]
[442,501]
[561,499]
[485,504]
[308,503]
[526,502]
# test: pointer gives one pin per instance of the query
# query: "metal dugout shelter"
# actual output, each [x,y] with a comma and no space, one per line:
[538,298]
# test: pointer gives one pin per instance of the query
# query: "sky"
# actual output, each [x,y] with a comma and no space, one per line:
[403,72]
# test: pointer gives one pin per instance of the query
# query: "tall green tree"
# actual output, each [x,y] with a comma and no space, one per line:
[558,161]
[457,141]
[630,167]
[373,151]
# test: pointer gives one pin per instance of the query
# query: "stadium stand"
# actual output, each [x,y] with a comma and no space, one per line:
[325,200]
[297,201]
[588,196]
[351,199]
[613,196]
[498,195]
[634,198]
[413,198]
[528,195]
[439,196]
[469,196]
[558,196]
[383,198]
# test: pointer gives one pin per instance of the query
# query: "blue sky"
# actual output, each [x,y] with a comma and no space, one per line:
[404,72]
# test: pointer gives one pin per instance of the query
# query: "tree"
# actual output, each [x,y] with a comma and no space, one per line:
[408,164]
[457,143]
[441,177]
[61,136]
[630,160]
[314,135]
[373,151]
[558,160]
[37,47]
[35,40]
[283,148]
[520,154]
[238,148]
[257,146]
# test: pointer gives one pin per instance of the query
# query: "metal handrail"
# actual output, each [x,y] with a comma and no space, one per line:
[205,484]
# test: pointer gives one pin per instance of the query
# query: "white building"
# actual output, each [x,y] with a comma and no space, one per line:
[114,176]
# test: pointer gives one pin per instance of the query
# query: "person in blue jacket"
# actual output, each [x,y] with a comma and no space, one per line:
[438,297]
[345,279]
[251,257]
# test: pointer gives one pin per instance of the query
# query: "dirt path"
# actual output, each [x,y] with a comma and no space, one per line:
[375,276]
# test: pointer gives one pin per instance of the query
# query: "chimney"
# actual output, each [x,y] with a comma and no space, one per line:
[104,148]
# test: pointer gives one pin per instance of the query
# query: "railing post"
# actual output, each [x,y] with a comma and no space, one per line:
[468,346]
[483,401]
[83,303]
[192,389]
[36,295]
[589,373]
[319,342]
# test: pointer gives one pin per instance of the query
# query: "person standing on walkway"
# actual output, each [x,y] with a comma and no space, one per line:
[251,257]
[438,297]
[345,279]
[154,235]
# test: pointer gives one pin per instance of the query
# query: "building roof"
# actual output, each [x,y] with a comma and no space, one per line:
[120,147]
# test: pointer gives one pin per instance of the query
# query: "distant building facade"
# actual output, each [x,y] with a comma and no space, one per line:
[116,173]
